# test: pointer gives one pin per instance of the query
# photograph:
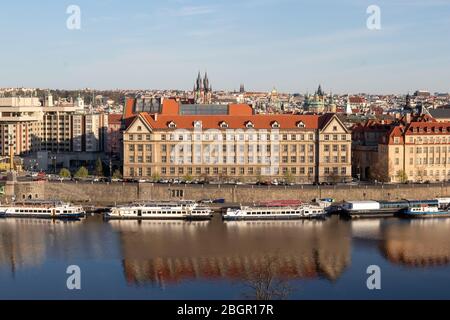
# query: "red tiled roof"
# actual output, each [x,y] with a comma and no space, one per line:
[114,118]
[161,121]
[128,110]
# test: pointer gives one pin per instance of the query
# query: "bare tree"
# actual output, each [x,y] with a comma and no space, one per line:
[264,283]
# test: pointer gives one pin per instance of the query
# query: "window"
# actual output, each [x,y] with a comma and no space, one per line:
[249,125]
[223,125]
[172,125]
[275,125]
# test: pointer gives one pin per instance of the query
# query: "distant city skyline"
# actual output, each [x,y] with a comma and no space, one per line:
[291,45]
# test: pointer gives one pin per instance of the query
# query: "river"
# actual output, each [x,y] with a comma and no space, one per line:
[225,260]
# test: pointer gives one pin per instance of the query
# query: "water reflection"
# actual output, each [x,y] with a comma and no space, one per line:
[417,243]
[158,253]
[29,243]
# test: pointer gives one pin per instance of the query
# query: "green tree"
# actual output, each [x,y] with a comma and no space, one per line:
[117,174]
[82,173]
[156,177]
[99,168]
[188,178]
[65,173]
[288,177]
[402,176]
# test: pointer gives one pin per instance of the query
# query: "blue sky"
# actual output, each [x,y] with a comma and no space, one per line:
[292,45]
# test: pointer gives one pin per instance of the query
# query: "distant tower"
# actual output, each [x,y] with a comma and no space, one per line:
[49,102]
[348,108]
[332,105]
[202,90]
[408,102]
[242,89]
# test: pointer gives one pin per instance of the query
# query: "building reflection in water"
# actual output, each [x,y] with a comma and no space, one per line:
[417,243]
[160,252]
[29,243]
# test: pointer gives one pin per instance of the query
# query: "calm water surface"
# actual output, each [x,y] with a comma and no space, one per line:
[216,260]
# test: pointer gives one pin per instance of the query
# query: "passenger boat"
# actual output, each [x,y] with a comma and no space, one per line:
[187,210]
[274,213]
[42,209]
[424,212]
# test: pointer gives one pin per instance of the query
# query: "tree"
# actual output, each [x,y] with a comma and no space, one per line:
[188,178]
[264,281]
[65,173]
[82,173]
[117,174]
[402,176]
[288,177]
[156,177]
[99,168]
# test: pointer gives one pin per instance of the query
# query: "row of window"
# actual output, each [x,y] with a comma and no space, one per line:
[427,161]
[224,171]
[335,171]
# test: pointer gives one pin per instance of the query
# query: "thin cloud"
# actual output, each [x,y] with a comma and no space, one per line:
[194,11]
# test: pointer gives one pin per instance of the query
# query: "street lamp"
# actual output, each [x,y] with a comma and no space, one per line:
[53,158]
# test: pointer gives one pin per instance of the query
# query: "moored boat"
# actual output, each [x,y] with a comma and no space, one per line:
[42,209]
[274,213]
[161,210]
[424,212]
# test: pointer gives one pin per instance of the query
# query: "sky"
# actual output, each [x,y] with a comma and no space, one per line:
[290,45]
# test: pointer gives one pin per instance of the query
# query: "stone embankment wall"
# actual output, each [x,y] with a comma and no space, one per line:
[107,194]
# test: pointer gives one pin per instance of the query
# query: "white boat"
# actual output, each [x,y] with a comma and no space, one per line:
[188,210]
[42,209]
[274,213]
[424,212]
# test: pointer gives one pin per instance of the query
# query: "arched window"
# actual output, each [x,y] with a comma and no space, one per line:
[249,125]
[275,125]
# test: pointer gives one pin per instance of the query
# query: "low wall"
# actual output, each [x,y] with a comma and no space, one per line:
[107,194]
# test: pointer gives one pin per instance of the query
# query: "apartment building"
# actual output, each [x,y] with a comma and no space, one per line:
[20,124]
[30,125]
[413,149]
[231,143]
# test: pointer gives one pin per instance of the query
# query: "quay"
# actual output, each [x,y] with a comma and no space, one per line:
[110,194]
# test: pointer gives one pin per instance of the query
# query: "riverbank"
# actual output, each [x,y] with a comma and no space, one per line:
[103,194]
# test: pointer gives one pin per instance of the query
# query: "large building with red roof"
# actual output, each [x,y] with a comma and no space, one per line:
[413,148]
[231,143]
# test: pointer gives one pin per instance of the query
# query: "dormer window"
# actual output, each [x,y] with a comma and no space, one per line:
[224,125]
[172,125]
[197,124]
[300,124]
[249,125]
[275,125]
